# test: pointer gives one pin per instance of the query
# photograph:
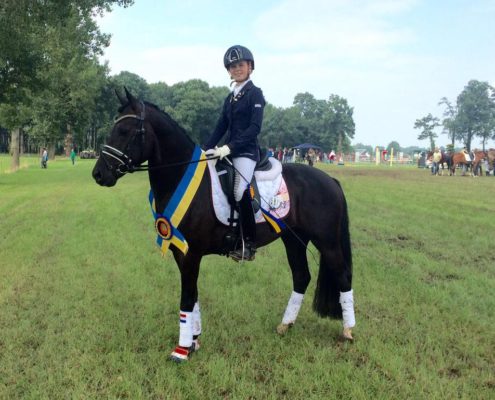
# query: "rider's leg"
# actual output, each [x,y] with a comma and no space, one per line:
[244,173]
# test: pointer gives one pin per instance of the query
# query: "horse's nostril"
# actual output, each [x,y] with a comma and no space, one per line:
[97,176]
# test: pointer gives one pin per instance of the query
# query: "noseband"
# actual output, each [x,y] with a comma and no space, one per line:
[125,162]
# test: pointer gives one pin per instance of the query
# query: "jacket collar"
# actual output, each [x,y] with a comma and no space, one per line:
[248,85]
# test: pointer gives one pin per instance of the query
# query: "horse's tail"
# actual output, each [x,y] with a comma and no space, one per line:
[335,272]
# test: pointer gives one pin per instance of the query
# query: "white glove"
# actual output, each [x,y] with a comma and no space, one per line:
[219,152]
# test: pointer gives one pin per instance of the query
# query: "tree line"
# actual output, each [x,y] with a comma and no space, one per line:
[471,116]
[55,92]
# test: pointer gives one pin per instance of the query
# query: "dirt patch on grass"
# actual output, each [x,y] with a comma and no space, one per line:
[404,241]
[435,277]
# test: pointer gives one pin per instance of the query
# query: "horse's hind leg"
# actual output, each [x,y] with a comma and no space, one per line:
[334,296]
[298,262]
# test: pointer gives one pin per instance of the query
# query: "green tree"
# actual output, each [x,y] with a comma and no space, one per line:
[160,94]
[196,107]
[329,124]
[449,121]
[366,147]
[393,145]
[133,82]
[428,125]
[282,127]
[27,57]
[476,112]
[340,122]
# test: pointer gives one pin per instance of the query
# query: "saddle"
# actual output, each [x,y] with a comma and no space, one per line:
[270,194]
[226,175]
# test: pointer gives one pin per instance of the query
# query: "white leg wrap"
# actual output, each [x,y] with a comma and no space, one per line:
[185,329]
[347,302]
[196,315]
[293,308]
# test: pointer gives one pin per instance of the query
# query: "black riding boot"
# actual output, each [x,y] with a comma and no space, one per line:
[247,246]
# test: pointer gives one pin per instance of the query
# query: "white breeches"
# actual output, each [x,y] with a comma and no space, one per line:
[243,175]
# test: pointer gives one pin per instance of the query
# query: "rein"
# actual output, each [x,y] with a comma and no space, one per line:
[177,164]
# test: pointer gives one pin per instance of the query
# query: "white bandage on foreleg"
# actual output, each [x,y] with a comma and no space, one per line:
[347,302]
[196,324]
[185,329]
[293,308]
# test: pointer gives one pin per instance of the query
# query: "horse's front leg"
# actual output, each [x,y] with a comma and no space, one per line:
[298,262]
[189,313]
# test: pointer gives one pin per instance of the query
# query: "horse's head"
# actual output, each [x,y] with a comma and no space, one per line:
[130,143]
[479,155]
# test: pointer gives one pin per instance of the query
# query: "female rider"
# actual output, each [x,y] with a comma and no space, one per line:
[241,119]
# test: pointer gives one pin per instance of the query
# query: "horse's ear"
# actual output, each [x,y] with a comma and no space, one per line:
[121,98]
[132,100]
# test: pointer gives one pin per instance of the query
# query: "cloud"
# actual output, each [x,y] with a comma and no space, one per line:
[335,29]
[171,64]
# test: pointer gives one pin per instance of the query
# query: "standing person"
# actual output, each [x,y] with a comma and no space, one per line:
[437,157]
[73,156]
[331,156]
[44,158]
[241,120]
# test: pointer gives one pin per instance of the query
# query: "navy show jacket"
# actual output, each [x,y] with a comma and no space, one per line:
[241,118]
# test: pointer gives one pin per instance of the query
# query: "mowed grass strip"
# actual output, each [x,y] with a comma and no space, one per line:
[88,307]
[25,161]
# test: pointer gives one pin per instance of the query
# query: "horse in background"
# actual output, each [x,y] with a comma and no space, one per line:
[445,160]
[490,154]
[473,165]
[478,157]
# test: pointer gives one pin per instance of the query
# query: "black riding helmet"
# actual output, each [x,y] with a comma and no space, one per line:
[237,53]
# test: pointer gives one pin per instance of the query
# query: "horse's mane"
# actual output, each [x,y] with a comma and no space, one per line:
[169,119]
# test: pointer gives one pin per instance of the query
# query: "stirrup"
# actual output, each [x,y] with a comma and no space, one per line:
[243,253]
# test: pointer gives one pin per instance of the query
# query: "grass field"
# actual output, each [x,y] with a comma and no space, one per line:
[88,307]
[26,161]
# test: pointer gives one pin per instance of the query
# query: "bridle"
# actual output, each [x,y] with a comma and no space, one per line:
[125,162]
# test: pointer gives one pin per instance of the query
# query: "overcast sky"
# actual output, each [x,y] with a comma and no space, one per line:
[393,60]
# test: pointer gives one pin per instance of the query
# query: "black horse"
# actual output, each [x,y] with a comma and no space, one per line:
[445,160]
[318,214]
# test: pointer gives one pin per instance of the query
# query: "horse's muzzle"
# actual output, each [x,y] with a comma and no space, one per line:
[103,177]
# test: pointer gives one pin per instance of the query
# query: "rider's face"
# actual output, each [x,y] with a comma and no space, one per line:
[240,71]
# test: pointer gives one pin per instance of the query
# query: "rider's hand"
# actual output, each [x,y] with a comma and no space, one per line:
[218,152]
[211,153]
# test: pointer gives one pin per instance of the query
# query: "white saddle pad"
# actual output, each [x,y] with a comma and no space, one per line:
[271,185]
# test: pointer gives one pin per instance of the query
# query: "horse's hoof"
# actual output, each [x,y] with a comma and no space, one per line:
[182,354]
[347,334]
[282,329]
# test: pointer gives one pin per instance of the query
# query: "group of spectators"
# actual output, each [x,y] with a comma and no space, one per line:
[44,157]
[310,156]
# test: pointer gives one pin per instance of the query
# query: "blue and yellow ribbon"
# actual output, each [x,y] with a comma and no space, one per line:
[275,223]
[166,223]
